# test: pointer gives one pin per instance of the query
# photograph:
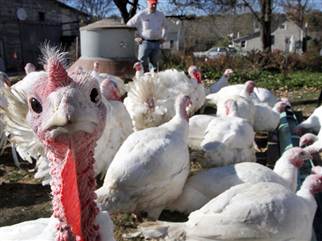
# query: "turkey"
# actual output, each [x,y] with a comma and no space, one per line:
[27,144]
[139,72]
[103,76]
[150,168]
[198,125]
[312,143]
[118,128]
[259,95]
[222,82]
[308,139]
[151,96]
[268,118]
[145,103]
[246,107]
[110,90]
[265,96]
[69,134]
[207,184]
[261,211]
[196,89]
[227,92]
[4,78]
[21,136]
[4,81]
[29,67]
[222,140]
[311,124]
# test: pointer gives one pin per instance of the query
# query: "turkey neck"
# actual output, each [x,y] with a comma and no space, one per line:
[180,122]
[306,194]
[287,171]
[79,154]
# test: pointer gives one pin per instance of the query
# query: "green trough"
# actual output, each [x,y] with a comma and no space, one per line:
[288,140]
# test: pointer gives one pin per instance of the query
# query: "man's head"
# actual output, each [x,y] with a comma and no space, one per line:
[152,5]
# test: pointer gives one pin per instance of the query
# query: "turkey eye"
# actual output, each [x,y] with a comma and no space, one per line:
[35,105]
[94,95]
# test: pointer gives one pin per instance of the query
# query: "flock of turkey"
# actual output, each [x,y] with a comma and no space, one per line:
[76,126]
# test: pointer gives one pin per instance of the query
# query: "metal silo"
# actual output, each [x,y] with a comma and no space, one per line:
[110,43]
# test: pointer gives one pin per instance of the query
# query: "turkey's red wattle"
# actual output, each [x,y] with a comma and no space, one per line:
[70,195]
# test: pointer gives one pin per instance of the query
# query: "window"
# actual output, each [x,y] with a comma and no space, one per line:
[283,26]
[243,44]
[41,16]
[272,39]
[171,44]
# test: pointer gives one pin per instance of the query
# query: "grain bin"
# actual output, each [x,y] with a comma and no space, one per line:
[110,43]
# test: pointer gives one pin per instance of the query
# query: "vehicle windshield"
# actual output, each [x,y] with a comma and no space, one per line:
[216,49]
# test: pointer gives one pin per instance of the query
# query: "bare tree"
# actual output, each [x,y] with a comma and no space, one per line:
[95,8]
[126,13]
[261,10]
[296,10]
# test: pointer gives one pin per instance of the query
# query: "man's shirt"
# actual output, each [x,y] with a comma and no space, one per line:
[150,26]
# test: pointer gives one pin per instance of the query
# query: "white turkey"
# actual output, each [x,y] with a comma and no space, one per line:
[150,168]
[4,78]
[261,211]
[207,184]
[151,96]
[258,95]
[103,76]
[21,136]
[226,92]
[69,134]
[196,89]
[145,103]
[29,67]
[198,125]
[4,82]
[311,124]
[245,106]
[268,118]
[312,143]
[139,72]
[222,140]
[265,96]
[118,127]
[27,144]
[222,82]
[308,139]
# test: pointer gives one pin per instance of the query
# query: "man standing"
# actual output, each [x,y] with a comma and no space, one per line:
[151,29]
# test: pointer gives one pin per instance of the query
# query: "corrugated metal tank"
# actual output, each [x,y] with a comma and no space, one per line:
[111,44]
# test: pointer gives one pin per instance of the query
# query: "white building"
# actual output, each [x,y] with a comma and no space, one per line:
[288,36]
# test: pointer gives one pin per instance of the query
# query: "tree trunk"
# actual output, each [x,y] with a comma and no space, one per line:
[122,6]
[266,19]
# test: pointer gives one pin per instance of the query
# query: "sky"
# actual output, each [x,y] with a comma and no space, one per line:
[164,6]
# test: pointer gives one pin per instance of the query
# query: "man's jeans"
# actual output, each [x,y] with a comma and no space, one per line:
[149,51]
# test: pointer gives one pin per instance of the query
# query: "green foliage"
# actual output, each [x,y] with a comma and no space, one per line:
[273,71]
[270,80]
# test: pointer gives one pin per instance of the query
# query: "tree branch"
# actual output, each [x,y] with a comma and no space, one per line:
[252,11]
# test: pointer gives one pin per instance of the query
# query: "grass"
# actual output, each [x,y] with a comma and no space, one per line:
[272,81]
[22,199]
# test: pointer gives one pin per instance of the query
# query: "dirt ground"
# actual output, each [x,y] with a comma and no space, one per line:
[24,198]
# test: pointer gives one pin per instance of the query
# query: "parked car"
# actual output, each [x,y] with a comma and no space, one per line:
[211,53]
[231,51]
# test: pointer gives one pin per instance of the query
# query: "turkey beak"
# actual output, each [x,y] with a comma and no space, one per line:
[307,156]
[189,108]
[317,170]
[58,119]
